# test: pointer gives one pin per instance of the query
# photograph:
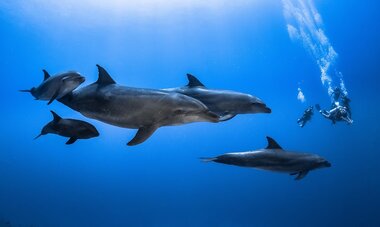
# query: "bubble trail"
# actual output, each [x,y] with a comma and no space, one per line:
[304,23]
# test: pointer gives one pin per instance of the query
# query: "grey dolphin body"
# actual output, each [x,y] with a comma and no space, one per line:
[74,129]
[274,158]
[136,108]
[227,104]
[57,86]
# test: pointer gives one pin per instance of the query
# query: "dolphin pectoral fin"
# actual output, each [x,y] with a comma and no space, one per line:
[142,134]
[54,97]
[301,175]
[227,117]
[71,140]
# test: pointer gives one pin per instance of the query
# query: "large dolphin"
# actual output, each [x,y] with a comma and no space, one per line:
[227,104]
[57,86]
[274,158]
[136,108]
[74,129]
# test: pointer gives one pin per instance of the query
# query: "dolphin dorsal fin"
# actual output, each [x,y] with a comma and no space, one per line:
[193,81]
[46,74]
[55,116]
[272,144]
[104,78]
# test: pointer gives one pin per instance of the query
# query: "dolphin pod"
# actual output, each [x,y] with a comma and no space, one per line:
[141,108]
[136,108]
[147,110]
[274,158]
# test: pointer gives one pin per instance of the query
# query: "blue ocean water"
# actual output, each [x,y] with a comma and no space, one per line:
[241,45]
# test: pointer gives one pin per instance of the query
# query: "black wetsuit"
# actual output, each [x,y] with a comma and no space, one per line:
[305,117]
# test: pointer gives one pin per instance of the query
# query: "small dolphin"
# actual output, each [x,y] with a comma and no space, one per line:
[274,158]
[74,129]
[136,108]
[57,86]
[227,104]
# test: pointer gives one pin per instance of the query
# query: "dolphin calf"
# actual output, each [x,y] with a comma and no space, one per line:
[274,158]
[227,104]
[57,86]
[74,129]
[136,108]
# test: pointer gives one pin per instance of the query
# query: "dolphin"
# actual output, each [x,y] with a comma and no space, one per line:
[136,108]
[74,129]
[227,104]
[274,158]
[57,86]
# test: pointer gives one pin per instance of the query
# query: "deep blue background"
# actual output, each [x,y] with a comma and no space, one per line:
[242,46]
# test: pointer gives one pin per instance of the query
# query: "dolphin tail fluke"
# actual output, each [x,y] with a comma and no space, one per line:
[28,90]
[37,136]
[203,159]
[301,175]
[142,134]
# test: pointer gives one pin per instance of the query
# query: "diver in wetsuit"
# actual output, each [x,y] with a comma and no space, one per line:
[340,107]
[337,113]
[307,114]
[339,94]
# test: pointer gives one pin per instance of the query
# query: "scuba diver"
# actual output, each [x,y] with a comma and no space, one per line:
[337,113]
[307,114]
[340,107]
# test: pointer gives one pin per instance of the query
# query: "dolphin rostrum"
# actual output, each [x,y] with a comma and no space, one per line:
[74,129]
[57,86]
[136,108]
[227,104]
[274,158]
